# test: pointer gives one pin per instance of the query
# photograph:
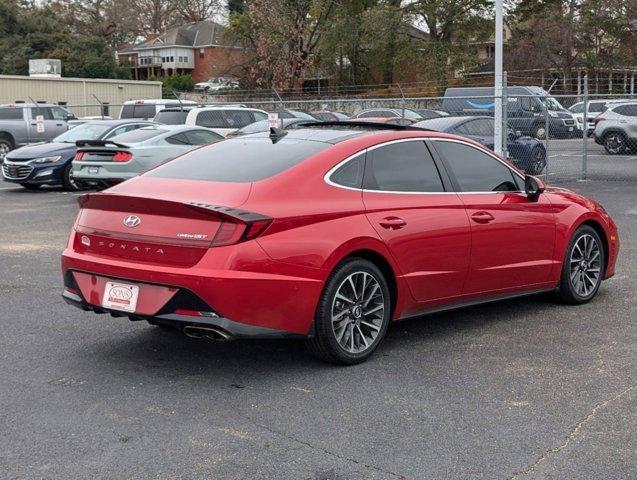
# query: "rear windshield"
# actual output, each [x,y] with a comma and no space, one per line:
[138,111]
[139,135]
[171,117]
[88,131]
[239,160]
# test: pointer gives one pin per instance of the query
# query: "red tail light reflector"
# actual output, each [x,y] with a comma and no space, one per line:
[598,119]
[122,156]
[79,156]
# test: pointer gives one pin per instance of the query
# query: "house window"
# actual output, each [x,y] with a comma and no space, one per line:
[185,59]
[201,53]
[172,59]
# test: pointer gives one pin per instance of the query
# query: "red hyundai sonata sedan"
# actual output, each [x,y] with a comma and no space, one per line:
[330,233]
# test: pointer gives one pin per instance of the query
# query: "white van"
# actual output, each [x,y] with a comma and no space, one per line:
[147,109]
[224,120]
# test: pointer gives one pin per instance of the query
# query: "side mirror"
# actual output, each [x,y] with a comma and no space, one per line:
[533,187]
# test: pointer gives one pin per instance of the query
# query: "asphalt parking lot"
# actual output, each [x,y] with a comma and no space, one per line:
[516,390]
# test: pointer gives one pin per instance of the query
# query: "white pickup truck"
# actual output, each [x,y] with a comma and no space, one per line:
[24,123]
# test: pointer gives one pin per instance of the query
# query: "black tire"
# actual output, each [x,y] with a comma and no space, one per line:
[69,184]
[30,186]
[325,344]
[568,291]
[539,131]
[6,145]
[537,162]
[615,143]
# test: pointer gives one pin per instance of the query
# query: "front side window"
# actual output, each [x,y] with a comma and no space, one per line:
[475,170]
[402,167]
[579,108]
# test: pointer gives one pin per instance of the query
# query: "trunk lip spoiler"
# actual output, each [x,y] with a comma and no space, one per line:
[243,216]
[99,143]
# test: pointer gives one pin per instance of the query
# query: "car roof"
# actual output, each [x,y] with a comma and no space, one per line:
[443,123]
[205,109]
[113,123]
[157,101]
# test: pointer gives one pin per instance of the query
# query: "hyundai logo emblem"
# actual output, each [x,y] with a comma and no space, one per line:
[132,221]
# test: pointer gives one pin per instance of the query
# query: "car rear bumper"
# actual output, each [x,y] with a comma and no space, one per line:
[276,300]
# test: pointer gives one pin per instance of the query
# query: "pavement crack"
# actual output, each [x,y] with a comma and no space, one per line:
[328,452]
[574,433]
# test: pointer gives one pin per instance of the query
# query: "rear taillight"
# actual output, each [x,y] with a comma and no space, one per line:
[231,231]
[79,156]
[122,156]
[598,119]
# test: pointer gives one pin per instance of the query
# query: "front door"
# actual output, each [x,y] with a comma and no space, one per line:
[512,236]
[425,227]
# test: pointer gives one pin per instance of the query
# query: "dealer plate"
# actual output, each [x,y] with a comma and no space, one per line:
[120,296]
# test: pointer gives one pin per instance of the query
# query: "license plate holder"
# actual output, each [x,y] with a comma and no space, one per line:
[120,296]
[93,170]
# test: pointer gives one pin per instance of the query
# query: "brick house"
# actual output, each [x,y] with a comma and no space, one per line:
[201,49]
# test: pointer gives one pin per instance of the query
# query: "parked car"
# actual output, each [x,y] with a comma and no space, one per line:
[50,163]
[264,126]
[148,108]
[286,113]
[616,128]
[527,109]
[19,126]
[172,115]
[388,112]
[388,120]
[330,234]
[106,162]
[329,116]
[595,108]
[224,120]
[525,152]
[426,113]
[217,84]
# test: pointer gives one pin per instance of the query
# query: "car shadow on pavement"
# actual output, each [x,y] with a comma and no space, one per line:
[159,351]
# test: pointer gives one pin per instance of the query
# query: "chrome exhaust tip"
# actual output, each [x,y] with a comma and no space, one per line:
[211,333]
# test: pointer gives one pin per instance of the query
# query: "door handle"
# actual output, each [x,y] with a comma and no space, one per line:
[482,217]
[392,223]
[58,124]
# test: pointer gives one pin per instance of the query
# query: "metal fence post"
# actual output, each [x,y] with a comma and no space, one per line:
[585,132]
[402,102]
[505,117]
[546,134]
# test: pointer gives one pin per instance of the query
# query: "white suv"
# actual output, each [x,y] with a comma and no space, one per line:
[224,120]
[595,107]
[616,128]
[147,109]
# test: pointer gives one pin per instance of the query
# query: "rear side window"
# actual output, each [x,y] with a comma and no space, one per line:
[350,174]
[240,160]
[627,110]
[478,128]
[202,137]
[224,118]
[11,113]
[594,107]
[475,170]
[402,167]
[178,139]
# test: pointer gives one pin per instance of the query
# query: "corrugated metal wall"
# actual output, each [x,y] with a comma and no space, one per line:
[77,92]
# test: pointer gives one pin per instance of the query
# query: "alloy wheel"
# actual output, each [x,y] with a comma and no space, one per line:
[538,162]
[540,133]
[358,312]
[614,143]
[585,265]
[4,149]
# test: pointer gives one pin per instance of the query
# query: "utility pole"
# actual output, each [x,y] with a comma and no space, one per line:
[499,27]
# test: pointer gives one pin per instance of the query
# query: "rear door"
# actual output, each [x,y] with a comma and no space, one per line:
[424,225]
[512,237]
